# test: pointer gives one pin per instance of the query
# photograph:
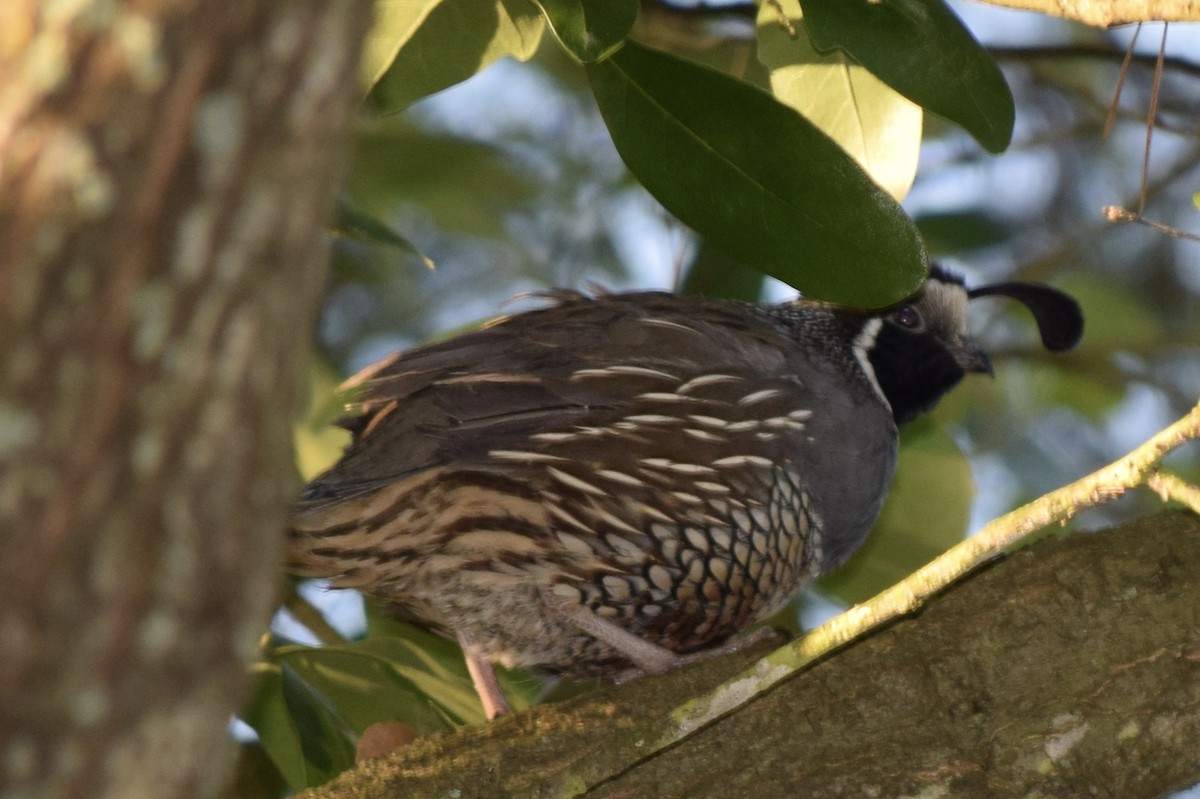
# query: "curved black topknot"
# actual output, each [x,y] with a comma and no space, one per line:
[1059,319]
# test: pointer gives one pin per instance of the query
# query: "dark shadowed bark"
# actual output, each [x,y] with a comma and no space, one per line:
[166,173]
[1069,669]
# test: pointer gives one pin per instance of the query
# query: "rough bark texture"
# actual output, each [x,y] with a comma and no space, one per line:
[166,173]
[1069,669]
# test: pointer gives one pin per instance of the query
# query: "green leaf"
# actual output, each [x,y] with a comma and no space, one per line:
[757,179]
[922,50]
[1115,316]
[384,680]
[590,29]
[356,223]
[712,273]
[268,715]
[443,658]
[925,514]
[1196,200]
[325,740]
[395,23]
[465,185]
[319,443]
[454,40]
[301,734]
[1092,390]
[958,231]
[874,124]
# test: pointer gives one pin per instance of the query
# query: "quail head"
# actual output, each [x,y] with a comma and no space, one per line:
[618,481]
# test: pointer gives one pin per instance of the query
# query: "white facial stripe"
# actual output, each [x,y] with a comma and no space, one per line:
[862,345]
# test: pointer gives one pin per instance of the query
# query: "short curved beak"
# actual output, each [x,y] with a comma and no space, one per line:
[973,359]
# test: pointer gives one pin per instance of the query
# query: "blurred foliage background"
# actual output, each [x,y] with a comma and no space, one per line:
[510,182]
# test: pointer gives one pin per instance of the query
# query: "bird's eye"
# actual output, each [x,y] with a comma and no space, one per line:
[909,317]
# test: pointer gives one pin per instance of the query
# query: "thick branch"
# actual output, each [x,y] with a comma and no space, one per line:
[1098,13]
[1070,666]
[1107,13]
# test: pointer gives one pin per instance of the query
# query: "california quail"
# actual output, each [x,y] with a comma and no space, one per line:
[616,481]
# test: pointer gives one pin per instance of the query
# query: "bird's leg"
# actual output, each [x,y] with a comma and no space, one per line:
[649,658]
[484,677]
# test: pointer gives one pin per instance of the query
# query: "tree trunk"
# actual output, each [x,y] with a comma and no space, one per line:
[1069,669]
[166,174]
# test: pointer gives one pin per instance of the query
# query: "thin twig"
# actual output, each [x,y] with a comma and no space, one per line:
[1171,487]
[1115,213]
[1121,75]
[1151,115]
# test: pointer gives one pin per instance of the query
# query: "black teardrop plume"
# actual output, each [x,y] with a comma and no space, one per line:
[1059,319]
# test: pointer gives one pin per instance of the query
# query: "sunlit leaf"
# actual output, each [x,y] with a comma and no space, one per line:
[926,513]
[453,41]
[590,29]
[692,37]
[872,122]
[757,179]
[921,49]
[395,23]
[318,442]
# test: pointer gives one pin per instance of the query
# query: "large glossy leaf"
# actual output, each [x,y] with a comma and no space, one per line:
[872,122]
[590,29]
[454,40]
[395,23]
[926,513]
[922,50]
[757,179]
[712,273]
